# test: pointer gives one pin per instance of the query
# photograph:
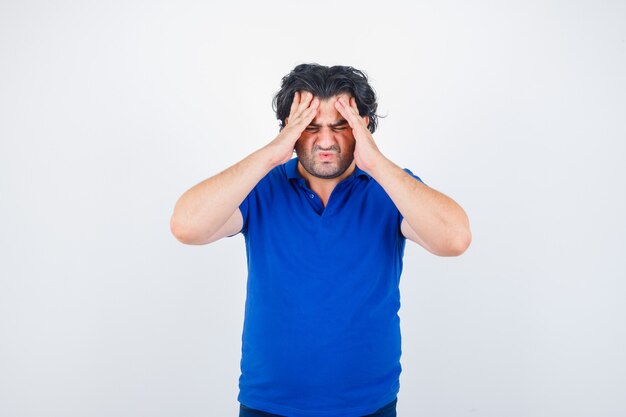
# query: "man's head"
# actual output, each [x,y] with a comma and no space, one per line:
[326,147]
[325,82]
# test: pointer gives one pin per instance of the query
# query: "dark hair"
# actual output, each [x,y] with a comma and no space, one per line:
[325,82]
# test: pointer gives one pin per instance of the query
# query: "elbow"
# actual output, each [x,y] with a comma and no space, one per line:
[460,239]
[462,242]
[457,244]
[178,230]
[183,233]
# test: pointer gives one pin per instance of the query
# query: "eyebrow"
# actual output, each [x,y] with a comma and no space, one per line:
[339,123]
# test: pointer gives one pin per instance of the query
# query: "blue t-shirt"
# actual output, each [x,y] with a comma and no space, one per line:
[321,334]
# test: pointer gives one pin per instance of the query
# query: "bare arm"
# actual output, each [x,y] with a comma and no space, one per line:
[210,210]
[431,219]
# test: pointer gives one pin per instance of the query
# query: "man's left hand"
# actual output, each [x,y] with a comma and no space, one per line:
[366,153]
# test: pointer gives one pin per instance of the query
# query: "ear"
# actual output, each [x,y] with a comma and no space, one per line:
[366,119]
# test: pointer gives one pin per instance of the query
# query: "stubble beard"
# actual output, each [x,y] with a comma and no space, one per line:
[321,169]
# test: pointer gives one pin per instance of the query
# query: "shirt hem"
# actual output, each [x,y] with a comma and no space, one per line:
[296,412]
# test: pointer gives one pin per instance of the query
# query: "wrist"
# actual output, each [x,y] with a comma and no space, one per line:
[376,163]
[379,166]
[272,155]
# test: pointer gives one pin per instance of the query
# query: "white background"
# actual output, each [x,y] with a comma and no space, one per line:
[109,111]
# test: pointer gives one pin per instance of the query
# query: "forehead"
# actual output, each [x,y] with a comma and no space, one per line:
[327,112]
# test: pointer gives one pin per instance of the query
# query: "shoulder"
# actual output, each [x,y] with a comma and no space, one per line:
[277,176]
[275,181]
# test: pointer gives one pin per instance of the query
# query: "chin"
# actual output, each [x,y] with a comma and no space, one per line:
[329,173]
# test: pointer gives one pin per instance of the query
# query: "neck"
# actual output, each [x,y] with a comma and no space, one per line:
[323,187]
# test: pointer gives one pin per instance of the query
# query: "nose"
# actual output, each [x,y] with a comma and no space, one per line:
[326,138]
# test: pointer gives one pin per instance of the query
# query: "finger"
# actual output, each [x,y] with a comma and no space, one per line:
[365,119]
[302,119]
[347,112]
[305,101]
[354,106]
[309,114]
[294,103]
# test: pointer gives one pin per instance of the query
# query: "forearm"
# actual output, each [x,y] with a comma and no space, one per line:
[205,207]
[202,210]
[437,219]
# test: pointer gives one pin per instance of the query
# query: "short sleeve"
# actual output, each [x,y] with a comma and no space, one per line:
[243,208]
[250,203]
[408,171]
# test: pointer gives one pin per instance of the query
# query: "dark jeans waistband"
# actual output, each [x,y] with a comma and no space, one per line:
[388,410]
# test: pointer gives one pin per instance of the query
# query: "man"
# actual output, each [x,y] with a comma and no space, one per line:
[325,235]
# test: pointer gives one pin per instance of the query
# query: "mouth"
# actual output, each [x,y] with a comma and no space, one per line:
[326,156]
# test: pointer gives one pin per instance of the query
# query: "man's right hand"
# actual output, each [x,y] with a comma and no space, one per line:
[303,111]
